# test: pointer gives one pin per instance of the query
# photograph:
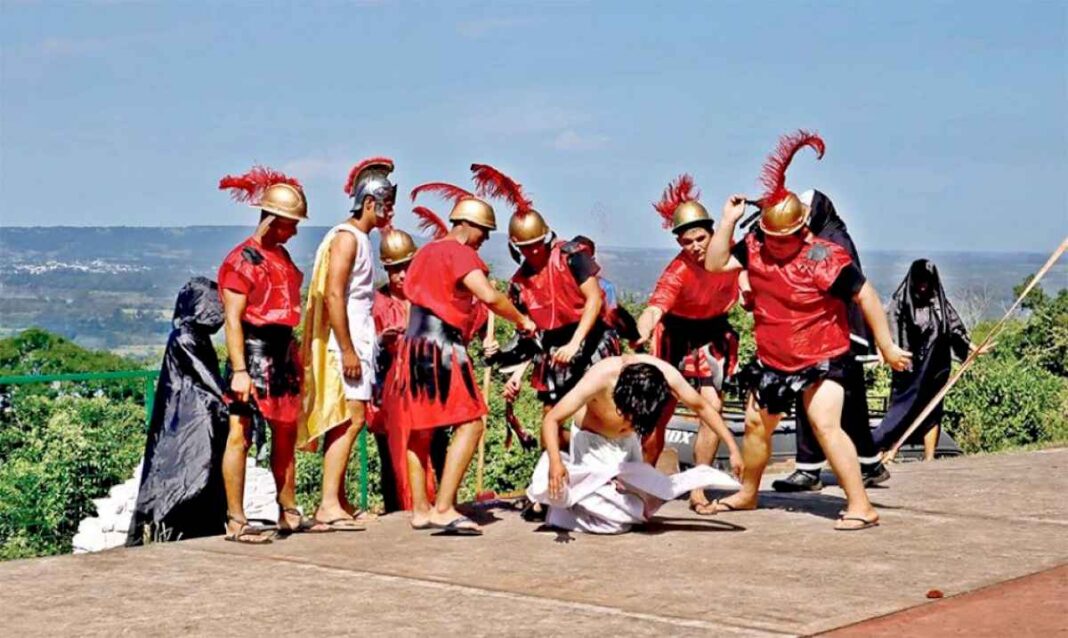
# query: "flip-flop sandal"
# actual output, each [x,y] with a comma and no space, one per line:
[305,525]
[422,526]
[867,524]
[455,527]
[727,507]
[342,525]
[246,533]
[702,509]
[364,516]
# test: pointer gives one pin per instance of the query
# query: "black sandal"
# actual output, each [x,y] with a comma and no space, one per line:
[305,525]
[456,527]
[246,533]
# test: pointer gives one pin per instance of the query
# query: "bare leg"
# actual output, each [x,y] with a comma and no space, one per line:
[462,448]
[418,447]
[823,404]
[704,450]
[930,442]
[338,443]
[233,468]
[284,469]
[756,450]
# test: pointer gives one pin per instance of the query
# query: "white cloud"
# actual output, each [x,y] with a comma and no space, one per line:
[572,140]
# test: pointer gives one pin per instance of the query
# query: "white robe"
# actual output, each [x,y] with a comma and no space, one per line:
[593,503]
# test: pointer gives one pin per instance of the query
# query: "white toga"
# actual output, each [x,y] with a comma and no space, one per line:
[593,503]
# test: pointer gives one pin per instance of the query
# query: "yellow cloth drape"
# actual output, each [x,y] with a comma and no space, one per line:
[324,405]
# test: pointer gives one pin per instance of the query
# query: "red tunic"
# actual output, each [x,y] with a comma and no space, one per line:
[798,322]
[685,289]
[434,281]
[551,295]
[389,312]
[268,278]
[431,383]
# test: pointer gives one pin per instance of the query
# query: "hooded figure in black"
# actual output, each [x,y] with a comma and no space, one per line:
[181,494]
[924,323]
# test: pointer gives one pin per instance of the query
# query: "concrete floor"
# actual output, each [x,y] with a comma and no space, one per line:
[954,525]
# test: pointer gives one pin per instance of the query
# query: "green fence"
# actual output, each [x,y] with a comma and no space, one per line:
[149,378]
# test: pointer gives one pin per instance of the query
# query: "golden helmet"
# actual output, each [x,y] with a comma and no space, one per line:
[527,228]
[688,213]
[397,247]
[475,211]
[284,200]
[784,218]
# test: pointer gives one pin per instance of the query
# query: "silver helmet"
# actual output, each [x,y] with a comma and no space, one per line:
[371,178]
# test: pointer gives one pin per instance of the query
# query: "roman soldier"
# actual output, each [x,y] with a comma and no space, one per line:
[800,285]
[260,289]
[557,284]
[339,337]
[390,311]
[686,318]
[431,384]
[825,223]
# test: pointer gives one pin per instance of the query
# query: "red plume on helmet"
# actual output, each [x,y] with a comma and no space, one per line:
[490,182]
[443,190]
[681,190]
[430,223]
[773,175]
[248,188]
[358,168]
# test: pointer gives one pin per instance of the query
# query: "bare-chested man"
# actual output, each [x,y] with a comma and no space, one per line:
[603,486]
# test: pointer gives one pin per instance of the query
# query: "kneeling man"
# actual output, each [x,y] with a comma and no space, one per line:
[603,486]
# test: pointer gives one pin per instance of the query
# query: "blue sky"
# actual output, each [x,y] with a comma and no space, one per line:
[946,123]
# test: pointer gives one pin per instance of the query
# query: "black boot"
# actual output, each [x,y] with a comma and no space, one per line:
[799,481]
[874,474]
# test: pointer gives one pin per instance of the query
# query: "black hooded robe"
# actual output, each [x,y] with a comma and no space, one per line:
[181,494]
[934,334]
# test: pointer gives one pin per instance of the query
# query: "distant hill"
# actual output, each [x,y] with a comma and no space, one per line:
[113,287]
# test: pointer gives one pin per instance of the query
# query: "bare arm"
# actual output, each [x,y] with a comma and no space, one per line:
[342,258]
[875,316]
[590,384]
[480,286]
[343,249]
[591,309]
[647,322]
[234,308]
[718,256]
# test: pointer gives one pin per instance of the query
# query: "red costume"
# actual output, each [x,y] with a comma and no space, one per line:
[552,295]
[554,301]
[798,322]
[390,315]
[269,280]
[694,334]
[271,283]
[431,384]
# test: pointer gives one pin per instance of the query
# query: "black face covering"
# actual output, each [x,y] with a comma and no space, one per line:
[911,296]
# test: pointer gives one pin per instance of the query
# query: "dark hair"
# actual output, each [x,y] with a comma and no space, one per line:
[640,395]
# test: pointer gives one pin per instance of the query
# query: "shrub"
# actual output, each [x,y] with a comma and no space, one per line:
[72,450]
[1004,402]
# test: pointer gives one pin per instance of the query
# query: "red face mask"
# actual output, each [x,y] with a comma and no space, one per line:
[783,248]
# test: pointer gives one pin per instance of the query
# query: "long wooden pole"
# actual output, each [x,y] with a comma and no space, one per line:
[975,353]
[487,380]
